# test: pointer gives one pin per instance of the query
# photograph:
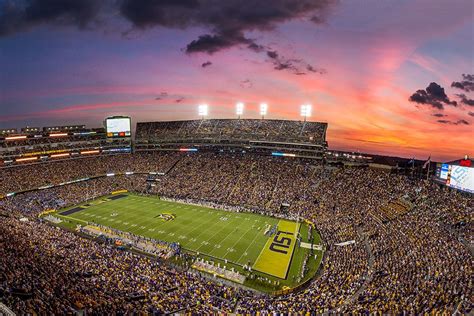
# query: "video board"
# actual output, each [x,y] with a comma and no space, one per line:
[118,127]
[458,177]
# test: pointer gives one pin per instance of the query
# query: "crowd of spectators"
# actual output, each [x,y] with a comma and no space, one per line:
[417,262]
[33,146]
[245,129]
[34,202]
[48,271]
[44,139]
[32,176]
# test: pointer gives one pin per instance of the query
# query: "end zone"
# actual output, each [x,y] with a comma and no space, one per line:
[275,257]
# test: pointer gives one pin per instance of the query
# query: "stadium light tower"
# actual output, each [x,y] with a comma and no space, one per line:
[203,110]
[306,111]
[239,109]
[263,109]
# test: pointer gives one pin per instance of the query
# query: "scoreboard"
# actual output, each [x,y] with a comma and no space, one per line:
[118,126]
[455,176]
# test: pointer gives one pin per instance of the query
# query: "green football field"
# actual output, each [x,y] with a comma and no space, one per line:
[236,237]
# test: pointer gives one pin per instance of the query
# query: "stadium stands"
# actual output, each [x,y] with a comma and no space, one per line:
[244,129]
[56,172]
[299,138]
[414,261]
[56,142]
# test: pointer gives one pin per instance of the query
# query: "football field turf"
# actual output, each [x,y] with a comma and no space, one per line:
[236,237]
[275,257]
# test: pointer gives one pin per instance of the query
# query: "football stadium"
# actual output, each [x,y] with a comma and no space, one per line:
[232,157]
[225,216]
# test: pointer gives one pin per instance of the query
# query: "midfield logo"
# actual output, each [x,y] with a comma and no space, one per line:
[167,217]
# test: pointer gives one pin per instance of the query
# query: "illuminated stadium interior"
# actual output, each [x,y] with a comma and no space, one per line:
[233,157]
[224,216]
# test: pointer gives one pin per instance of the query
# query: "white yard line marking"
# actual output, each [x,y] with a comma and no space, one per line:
[225,239]
[224,227]
[264,247]
[198,228]
[251,228]
[250,244]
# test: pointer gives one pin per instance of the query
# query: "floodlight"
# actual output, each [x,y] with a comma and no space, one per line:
[202,110]
[263,109]
[306,110]
[239,108]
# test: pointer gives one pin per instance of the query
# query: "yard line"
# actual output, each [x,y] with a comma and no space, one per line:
[265,245]
[250,244]
[183,230]
[223,239]
[156,224]
[198,227]
[238,240]
[124,211]
[224,227]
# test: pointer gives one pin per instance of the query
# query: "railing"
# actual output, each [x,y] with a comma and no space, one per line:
[4,310]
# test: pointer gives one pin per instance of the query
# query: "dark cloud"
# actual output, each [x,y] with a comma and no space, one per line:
[213,43]
[255,47]
[272,54]
[246,83]
[439,115]
[320,71]
[466,84]
[433,95]
[21,15]
[437,93]
[317,19]
[227,21]
[422,97]
[465,100]
[294,65]
[206,64]
[459,122]
[168,13]
[162,96]
[169,97]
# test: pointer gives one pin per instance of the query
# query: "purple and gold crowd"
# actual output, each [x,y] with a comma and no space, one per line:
[417,262]
[247,129]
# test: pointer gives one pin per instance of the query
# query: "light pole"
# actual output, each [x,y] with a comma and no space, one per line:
[306,111]
[239,109]
[263,110]
[203,110]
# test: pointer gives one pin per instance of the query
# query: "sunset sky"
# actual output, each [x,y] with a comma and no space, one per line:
[359,63]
